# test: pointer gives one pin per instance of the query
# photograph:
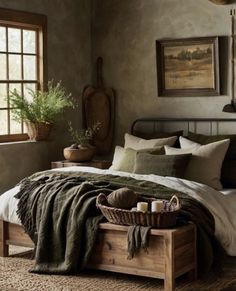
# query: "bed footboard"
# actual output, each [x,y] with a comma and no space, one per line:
[4,247]
[12,234]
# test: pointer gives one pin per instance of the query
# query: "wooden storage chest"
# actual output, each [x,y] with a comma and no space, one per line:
[171,253]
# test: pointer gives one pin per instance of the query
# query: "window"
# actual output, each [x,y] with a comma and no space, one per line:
[22,63]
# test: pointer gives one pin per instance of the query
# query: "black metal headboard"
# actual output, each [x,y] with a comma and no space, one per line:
[212,125]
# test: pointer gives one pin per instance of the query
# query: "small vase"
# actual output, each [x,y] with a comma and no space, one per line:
[82,154]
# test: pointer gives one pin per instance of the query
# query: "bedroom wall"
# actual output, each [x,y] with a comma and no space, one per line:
[69,59]
[124,34]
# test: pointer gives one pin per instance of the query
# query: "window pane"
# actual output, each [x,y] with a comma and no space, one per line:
[14,40]
[13,86]
[3,67]
[14,67]
[29,68]
[27,94]
[2,39]
[29,41]
[3,122]
[3,95]
[15,127]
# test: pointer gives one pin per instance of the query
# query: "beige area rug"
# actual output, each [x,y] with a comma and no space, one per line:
[14,276]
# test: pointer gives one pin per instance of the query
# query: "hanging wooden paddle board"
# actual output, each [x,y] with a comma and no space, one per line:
[99,106]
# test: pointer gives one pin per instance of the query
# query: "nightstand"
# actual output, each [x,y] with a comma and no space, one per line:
[101,164]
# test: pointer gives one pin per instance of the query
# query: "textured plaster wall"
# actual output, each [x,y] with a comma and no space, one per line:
[69,60]
[124,34]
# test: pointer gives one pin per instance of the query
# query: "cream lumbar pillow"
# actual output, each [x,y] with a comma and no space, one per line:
[118,154]
[206,162]
[138,143]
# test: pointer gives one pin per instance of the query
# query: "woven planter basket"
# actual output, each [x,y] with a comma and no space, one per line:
[38,130]
[126,217]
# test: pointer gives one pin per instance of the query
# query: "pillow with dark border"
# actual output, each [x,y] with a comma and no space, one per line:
[162,165]
[205,139]
[228,177]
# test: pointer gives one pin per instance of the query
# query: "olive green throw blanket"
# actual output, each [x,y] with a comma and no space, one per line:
[58,211]
[137,239]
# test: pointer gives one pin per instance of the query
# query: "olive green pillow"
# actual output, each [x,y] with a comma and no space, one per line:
[127,161]
[228,177]
[162,165]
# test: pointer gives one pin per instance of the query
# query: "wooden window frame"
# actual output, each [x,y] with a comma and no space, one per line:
[37,22]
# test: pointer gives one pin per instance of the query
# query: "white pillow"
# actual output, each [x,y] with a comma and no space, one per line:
[186,143]
[117,157]
[138,143]
[205,163]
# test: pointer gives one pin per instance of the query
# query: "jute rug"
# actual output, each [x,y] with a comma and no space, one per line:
[14,276]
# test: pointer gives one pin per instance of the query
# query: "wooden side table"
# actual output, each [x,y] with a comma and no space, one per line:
[101,164]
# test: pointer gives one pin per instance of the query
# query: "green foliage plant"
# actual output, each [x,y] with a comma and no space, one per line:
[83,137]
[42,106]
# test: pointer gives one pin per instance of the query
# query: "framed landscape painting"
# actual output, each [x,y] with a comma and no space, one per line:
[188,67]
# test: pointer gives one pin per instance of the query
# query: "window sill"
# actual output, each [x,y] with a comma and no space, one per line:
[12,143]
[14,138]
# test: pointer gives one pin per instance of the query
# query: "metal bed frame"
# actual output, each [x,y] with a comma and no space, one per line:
[189,121]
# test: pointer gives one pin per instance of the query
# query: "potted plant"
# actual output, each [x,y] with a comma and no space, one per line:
[41,110]
[82,148]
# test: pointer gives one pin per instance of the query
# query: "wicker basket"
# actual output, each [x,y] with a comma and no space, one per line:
[163,219]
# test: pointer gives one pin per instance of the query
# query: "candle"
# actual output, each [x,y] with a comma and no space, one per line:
[142,206]
[157,206]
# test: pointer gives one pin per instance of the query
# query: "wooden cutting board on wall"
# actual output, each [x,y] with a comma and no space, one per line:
[98,104]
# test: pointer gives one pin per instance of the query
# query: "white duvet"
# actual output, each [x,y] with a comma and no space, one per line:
[221,205]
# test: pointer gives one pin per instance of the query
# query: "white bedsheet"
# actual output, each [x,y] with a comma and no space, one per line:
[221,205]
[228,191]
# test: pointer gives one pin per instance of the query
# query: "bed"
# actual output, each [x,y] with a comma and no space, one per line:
[221,204]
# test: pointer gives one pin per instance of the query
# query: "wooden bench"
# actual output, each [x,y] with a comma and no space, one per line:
[171,252]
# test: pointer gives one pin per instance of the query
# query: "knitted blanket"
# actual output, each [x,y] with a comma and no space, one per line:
[58,211]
